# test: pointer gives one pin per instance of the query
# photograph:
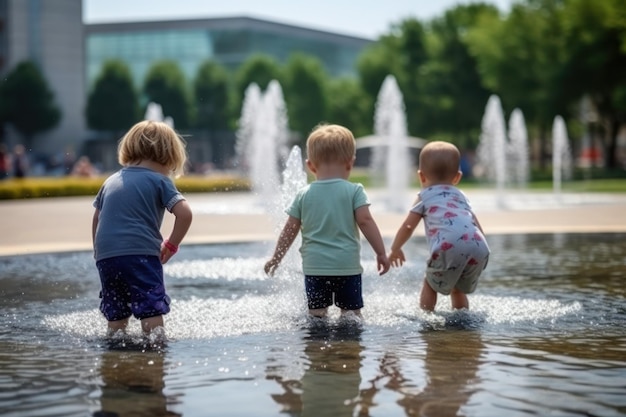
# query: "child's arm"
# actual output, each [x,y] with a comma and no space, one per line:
[94,226]
[183,214]
[396,256]
[370,230]
[286,238]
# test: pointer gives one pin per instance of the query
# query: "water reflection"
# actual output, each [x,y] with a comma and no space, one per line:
[133,384]
[331,380]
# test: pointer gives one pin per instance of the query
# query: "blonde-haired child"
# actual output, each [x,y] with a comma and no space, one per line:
[129,209]
[329,213]
[458,250]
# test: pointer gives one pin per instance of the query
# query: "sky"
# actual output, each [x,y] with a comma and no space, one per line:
[364,18]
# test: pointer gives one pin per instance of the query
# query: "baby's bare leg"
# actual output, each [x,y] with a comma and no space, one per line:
[357,313]
[458,299]
[116,325]
[428,297]
[150,323]
[318,312]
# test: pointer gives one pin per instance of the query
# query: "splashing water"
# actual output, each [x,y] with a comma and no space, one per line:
[265,124]
[517,149]
[391,158]
[491,150]
[561,154]
[154,112]
[249,111]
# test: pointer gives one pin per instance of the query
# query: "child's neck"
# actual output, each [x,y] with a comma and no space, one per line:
[329,172]
[154,166]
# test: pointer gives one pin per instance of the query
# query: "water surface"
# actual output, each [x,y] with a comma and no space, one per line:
[544,336]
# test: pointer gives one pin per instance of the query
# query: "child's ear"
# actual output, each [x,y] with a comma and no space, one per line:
[457,178]
[310,166]
[421,176]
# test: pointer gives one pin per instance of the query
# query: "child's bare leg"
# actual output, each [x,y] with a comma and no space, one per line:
[117,325]
[357,312]
[318,312]
[459,299]
[150,323]
[428,297]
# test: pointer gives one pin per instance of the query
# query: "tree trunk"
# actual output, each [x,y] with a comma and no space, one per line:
[610,155]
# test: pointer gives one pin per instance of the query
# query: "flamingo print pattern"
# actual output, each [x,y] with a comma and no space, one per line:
[458,249]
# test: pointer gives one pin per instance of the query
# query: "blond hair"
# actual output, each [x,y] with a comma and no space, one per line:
[439,161]
[330,143]
[153,141]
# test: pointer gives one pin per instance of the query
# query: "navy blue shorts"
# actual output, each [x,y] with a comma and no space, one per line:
[345,289]
[132,285]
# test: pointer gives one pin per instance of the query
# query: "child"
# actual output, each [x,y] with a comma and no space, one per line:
[458,250]
[329,213]
[129,208]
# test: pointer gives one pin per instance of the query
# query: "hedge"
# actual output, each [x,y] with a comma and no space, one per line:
[40,187]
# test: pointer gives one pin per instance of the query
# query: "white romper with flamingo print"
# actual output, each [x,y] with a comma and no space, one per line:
[458,250]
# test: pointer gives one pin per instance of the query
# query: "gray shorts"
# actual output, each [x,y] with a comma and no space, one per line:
[446,270]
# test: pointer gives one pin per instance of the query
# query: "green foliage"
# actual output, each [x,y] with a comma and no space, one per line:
[27,102]
[165,84]
[349,106]
[453,94]
[211,94]
[305,93]
[375,63]
[259,69]
[113,104]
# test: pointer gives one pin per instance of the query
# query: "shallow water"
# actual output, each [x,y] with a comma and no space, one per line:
[544,336]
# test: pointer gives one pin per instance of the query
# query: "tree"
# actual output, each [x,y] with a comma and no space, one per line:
[113,104]
[414,56]
[165,84]
[520,58]
[213,110]
[378,60]
[349,106]
[259,69]
[305,93]
[211,95]
[455,96]
[595,34]
[27,103]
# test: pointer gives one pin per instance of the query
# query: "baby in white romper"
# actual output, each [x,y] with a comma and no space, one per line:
[458,249]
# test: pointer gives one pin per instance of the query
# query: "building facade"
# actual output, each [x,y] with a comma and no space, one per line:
[50,34]
[229,41]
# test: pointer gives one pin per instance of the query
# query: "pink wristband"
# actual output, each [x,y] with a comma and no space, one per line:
[170,247]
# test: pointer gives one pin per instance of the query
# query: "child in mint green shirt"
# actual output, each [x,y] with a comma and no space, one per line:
[329,213]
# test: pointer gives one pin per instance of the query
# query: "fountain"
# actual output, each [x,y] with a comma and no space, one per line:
[249,111]
[154,112]
[561,155]
[262,139]
[491,150]
[390,157]
[517,150]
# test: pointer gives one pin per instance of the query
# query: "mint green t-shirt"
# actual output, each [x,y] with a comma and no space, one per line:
[331,243]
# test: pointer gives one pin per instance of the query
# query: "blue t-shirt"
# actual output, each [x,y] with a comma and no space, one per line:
[132,203]
[331,243]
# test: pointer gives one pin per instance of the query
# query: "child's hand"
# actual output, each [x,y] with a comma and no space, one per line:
[383,264]
[270,267]
[396,258]
[165,255]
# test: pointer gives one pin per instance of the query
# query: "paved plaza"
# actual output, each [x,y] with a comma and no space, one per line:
[64,224]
